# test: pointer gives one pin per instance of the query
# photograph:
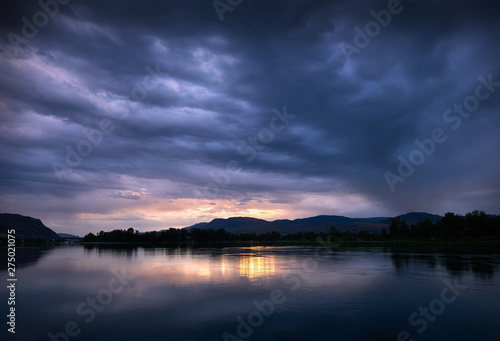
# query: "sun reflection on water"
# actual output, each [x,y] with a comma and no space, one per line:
[182,266]
[254,267]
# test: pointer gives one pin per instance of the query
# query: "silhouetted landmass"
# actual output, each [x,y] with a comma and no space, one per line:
[474,226]
[25,227]
[317,224]
[413,218]
[68,236]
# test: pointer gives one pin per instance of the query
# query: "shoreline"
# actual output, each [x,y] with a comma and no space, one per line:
[397,245]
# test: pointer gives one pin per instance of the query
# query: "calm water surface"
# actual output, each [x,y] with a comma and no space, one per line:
[251,293]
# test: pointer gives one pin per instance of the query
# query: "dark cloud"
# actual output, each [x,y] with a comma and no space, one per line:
[184,91]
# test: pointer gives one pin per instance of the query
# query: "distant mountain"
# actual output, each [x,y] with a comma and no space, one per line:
[253,225]
[414,217]
[317,224]
[26,227]
[68,236]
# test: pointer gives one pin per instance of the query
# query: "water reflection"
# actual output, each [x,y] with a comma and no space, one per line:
[127,251]
[259,263]
[197,293]
[25,256]
[481,266]
[194,265]
[257,267]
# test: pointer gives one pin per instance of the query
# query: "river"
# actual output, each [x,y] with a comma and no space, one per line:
[251,293]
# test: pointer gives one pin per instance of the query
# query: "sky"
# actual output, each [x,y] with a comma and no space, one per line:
[158,114]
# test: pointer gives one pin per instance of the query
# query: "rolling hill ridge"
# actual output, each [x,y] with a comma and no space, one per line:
[316,224]
[26,227]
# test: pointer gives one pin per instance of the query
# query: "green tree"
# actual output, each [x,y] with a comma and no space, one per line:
[398,228]
[334,234]
[451,225]
[394,228]
[478,224]
[90,237]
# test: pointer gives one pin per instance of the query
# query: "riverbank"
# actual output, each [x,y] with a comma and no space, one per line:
[393,245]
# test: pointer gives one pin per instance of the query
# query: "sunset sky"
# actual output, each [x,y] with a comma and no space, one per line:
[158,114]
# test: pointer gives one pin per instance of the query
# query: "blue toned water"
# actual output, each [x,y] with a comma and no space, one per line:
[251,293]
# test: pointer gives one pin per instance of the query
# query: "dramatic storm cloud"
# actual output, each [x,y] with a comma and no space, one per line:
[155,114]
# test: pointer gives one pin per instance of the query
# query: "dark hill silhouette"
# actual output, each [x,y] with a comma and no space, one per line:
[68,236]
[316,224]
[26,227]
[414,217]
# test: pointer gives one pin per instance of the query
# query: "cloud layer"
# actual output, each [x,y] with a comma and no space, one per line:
[156,114]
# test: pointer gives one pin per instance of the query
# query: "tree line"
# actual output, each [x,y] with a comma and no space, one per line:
[476,225]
